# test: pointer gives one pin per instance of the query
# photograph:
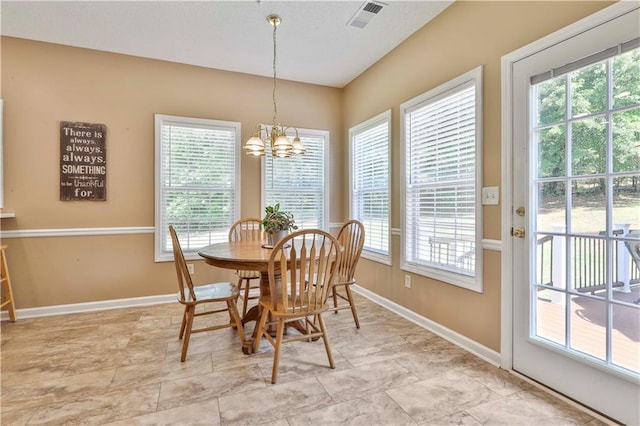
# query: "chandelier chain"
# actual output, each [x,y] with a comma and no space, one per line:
[275,107]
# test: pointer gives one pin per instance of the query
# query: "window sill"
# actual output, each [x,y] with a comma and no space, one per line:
[459,280]
[375,257]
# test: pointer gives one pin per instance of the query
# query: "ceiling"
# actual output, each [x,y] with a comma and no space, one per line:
[315,44]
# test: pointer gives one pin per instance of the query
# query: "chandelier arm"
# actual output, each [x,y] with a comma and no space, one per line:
[284,130]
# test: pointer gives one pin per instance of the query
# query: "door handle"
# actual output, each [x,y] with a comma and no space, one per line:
[518,232]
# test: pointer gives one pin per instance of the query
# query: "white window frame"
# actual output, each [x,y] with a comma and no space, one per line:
[380,119]
[162,255]
[324,134]
[470,282]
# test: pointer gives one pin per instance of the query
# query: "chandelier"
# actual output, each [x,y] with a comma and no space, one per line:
[279,142]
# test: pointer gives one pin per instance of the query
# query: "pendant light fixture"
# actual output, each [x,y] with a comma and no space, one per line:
[276,137]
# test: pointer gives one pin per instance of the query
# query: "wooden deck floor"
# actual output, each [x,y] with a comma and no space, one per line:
[588,327]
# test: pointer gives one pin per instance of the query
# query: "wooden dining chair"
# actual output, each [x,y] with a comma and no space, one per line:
[307,256]
[247,229]
[192,296]
[7,290]
[351,239]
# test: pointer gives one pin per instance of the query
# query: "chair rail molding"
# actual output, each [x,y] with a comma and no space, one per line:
[489,244]
[76,232]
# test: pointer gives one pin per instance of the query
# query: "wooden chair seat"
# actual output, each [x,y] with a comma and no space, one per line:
[287,309]
[221,291]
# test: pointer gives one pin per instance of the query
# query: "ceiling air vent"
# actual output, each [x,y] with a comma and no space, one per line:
[365,14]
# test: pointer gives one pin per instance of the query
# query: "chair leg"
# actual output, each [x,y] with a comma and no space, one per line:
[245,298]
[353,306]
[233,309]
[260,329]
[190,311]
[334,292]
[325,338]
[308,324]
[276,352]
[184,322]
[6,282]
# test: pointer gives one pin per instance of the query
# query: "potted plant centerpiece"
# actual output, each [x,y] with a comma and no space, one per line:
[277,224]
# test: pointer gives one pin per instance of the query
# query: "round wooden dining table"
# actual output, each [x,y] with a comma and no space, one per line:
[244,255]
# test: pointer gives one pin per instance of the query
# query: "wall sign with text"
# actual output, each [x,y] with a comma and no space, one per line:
[83,161]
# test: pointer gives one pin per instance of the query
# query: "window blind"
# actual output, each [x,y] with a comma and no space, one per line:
[198,184]
[370,182]
[441,181]
[298,183]
[587,60]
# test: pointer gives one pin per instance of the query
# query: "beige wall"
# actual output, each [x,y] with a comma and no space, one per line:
[43,84]
[464,36]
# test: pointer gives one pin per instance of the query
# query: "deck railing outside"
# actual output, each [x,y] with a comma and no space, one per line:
[588,262]
[444,251]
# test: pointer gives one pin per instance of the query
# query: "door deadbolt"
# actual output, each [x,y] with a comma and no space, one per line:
[520,211]
[518,232]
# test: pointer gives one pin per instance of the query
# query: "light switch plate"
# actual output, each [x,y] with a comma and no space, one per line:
[490,195]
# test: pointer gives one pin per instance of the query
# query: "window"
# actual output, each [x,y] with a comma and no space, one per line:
[197,182]
[298,183]
[369,183]
[441,145]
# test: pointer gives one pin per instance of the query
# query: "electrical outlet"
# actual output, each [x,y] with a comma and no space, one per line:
[191,267]
[407,281]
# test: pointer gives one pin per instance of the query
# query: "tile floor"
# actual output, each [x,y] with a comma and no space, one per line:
[122,367]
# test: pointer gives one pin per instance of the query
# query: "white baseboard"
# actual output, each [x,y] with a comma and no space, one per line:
[75,308]
[489,355]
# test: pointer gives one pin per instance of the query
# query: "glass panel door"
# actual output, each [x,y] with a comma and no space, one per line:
[576,195]
[586,133]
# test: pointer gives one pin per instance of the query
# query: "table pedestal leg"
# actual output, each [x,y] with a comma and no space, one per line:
[298,325]
[253,315]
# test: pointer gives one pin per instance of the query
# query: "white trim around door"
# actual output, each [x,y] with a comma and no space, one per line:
[573,33]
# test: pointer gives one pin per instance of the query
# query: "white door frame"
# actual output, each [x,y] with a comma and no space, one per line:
[611,12]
